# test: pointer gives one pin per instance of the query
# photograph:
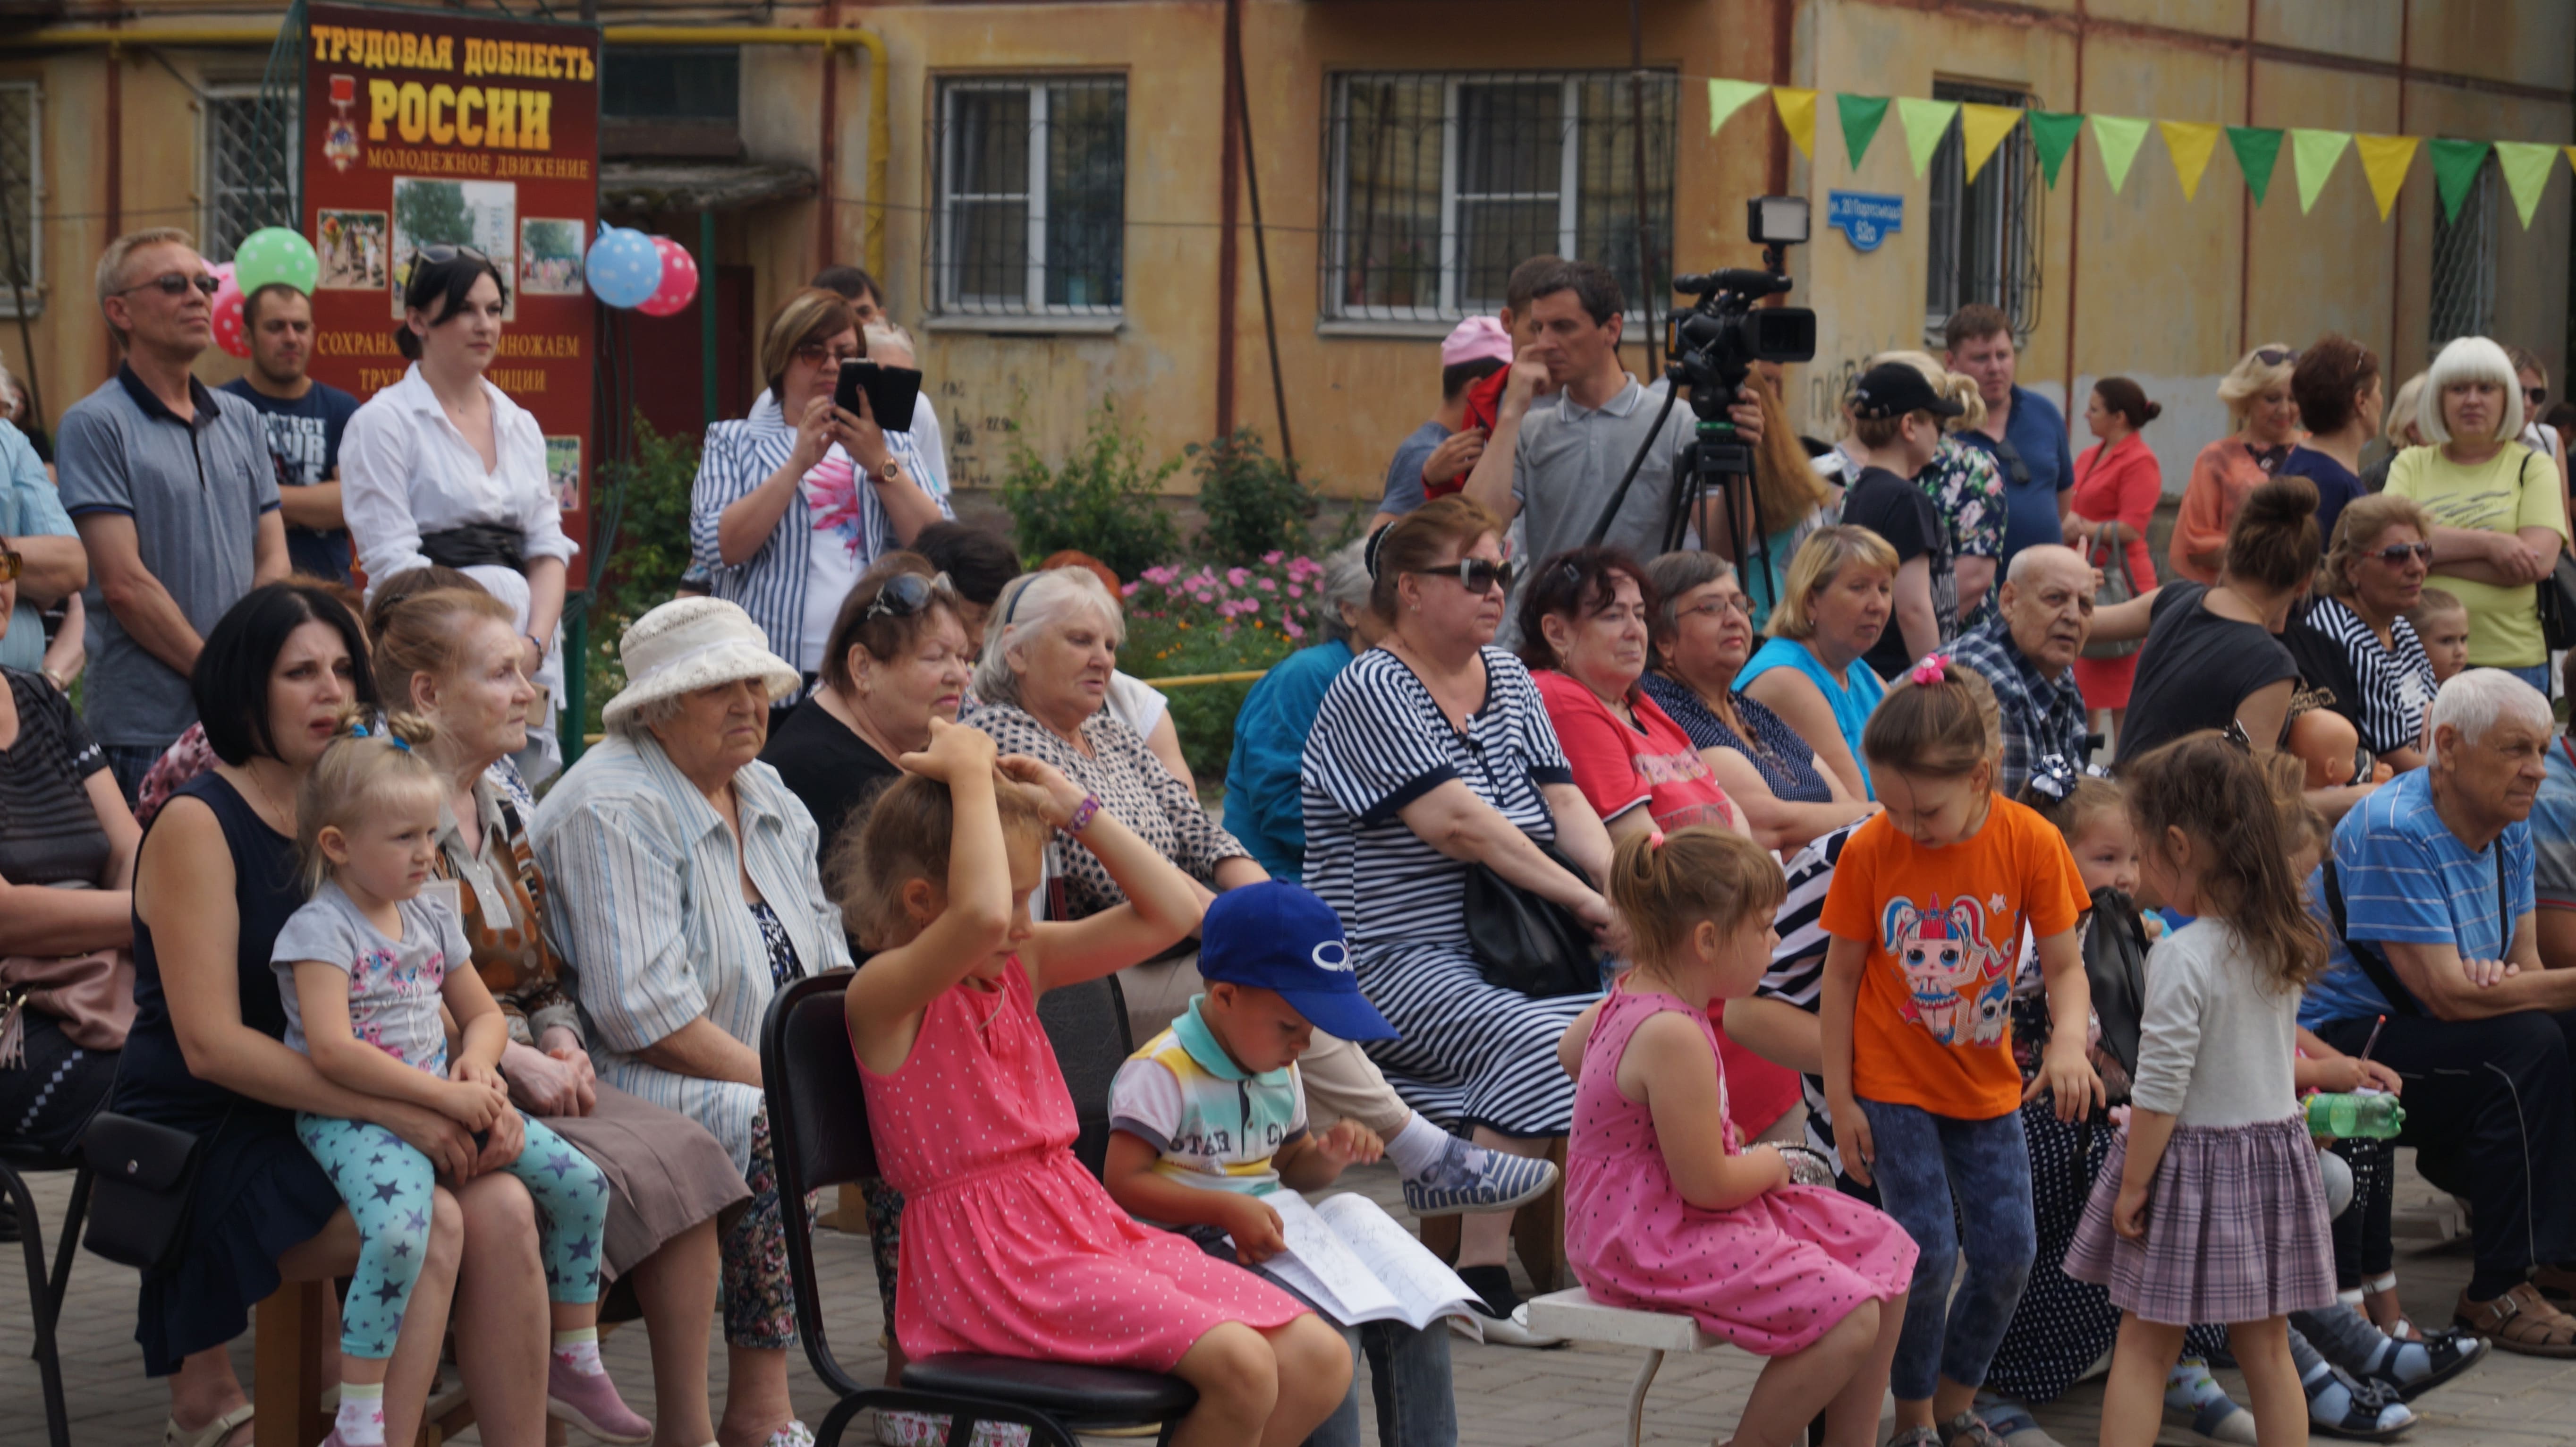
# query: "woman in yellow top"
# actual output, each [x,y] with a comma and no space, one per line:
[2498,516]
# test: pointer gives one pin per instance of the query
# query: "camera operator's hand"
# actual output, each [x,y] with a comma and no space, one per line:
[1747,416]
[1455,457]
[1528,379]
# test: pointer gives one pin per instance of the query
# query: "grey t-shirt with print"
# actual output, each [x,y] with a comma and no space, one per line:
[393,984]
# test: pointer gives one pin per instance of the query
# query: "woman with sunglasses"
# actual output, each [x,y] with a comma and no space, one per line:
[1431,756]
[794,502]
[442,467]
[2353,640]
[2265,415]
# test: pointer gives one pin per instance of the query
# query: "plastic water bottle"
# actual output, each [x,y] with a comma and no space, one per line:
[2355,1115]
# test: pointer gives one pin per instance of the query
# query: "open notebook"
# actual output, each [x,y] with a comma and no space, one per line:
[1352,1260]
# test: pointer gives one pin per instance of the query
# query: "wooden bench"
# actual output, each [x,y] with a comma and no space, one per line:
[1575,1316]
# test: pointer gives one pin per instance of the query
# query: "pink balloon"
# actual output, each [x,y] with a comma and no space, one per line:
[679,280]
[231,333]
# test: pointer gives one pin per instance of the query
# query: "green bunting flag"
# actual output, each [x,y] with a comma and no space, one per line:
[2119,138]
[2455,165]
[2526,166]
[1726,97]
[1861,115]
[2053,134]
[2258,150]
[2312,158]
[1925,122]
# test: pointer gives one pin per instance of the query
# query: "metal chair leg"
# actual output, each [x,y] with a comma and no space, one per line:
[69,1246]
[1637,1396]
[49,1368]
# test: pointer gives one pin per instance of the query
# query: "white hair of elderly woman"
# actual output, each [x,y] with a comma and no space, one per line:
[2469,359]
[1346,584]
[1032,604]
[2475,700]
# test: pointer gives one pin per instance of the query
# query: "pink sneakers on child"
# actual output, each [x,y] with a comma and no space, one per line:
[589,1400]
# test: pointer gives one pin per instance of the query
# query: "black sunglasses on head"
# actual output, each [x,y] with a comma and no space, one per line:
[2276,356]
[906,594]
[1476,575]
[172,283]
[441,251]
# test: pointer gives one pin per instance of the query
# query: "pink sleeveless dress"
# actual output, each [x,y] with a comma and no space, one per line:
[1010,1247]
[1771,1276]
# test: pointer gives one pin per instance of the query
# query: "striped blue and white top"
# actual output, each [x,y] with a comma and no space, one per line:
[2383,689]
[645,905]
[1379,743]
[773,584]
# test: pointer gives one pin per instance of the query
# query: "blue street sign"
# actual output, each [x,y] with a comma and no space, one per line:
[1864,217]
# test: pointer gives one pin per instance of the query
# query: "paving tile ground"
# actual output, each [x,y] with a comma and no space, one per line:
[1506,1398]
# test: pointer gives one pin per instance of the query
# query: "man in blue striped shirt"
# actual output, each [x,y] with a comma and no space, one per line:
[2434,874]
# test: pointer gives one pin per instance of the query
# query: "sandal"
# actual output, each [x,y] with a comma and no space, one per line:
[2372,1411]
[2520,1321]
[2448,1352]
[213,1434]
[1967,1430]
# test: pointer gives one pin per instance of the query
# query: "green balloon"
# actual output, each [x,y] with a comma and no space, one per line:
[275,254]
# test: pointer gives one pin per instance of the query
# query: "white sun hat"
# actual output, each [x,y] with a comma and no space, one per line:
[692,643]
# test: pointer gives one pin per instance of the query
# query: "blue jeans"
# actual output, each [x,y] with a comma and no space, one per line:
[2536,675]
[1408,1372]
[1923,1160]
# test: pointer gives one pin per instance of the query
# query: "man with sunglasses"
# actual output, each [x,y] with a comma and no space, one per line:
[172,488]
[2023,430]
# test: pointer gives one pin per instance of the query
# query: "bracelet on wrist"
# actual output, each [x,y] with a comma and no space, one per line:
[1082,815]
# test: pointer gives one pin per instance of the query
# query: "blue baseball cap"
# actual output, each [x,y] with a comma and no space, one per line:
[1276,936]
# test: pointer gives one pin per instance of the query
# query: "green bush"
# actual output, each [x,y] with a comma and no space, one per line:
[1254,503]
[1101,501]
[1217,621]
[647,556]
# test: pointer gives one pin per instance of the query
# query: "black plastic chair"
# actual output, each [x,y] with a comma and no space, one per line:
[45,1286]
[1087,1025]
[818,1137]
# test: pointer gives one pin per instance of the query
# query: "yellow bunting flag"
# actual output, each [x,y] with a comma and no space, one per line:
[1726,97]
[1798,113]
[2384,160]
[1925,122]
[1983,128]
[2189,144]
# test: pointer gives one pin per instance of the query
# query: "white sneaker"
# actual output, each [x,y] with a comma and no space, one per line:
[1507,1331]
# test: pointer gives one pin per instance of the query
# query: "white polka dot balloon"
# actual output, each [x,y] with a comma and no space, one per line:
[232,333]
[624,267]
[679,280]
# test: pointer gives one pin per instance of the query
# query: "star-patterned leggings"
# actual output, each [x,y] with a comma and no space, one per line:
[387,1186]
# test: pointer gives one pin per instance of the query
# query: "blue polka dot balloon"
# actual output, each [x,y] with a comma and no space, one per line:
[624,266]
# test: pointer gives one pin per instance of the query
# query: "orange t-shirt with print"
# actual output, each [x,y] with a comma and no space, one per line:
[1933,1024]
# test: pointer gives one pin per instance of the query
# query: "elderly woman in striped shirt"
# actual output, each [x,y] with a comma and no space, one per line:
[794,502]
[684,895]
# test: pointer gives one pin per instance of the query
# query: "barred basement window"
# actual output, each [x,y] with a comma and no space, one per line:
[1439,184]
[248,182]
[1984,237]
[2464,263]
[1032,182]
[21,181]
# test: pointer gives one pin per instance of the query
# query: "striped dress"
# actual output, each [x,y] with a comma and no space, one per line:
[1470,1054]
[645,905]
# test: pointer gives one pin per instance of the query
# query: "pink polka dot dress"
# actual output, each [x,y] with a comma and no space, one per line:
[1010,1247]
[1771,1275]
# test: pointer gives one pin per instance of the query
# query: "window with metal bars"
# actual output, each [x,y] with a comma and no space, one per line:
[2464,263]
[22,271]
[1984,235]
[1032,196]
[247,180]
[1438,184]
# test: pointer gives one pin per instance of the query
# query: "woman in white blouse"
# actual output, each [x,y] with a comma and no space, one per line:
[442,467]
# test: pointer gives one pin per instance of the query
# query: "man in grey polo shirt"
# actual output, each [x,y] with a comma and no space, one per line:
[1570,450]
[171,486]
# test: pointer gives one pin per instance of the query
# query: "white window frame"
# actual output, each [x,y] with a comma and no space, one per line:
[33,235]
[1033,298]
[1452,305]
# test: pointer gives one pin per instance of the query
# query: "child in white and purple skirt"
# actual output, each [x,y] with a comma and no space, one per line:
[2210,1208]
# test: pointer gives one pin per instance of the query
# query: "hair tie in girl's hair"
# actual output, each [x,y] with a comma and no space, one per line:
[398,741]
[357,731]
[1369,551]
[1654,837]
[1933,669]
[2053,776]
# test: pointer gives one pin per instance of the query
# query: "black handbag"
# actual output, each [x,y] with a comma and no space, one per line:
[2557,598]
[142,1177]
[2115,973]
[1526,942]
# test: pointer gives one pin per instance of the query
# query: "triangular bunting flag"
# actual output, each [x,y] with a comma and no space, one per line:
[2526,167]
[1983,128]
[2384,160]
[2053,134]
[2258,150]
[2455,165]
[1860,115]
[1798,113]
[2119,138]
[2312,157]
[2571,154]
[1925,122]
[2189,144]
[1726,97]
